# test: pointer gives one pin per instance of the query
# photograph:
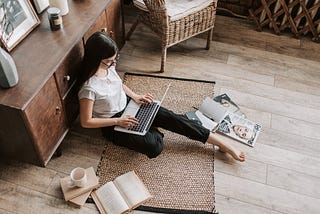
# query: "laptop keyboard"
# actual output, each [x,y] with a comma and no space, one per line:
[144,113]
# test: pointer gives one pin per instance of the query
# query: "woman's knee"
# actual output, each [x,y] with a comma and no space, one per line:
[154,144]
[150,144]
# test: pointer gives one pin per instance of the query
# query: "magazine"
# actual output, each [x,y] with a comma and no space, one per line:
[216,118]
[239,128]
[226,102]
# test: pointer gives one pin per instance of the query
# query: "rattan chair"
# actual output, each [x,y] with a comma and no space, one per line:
[174,29]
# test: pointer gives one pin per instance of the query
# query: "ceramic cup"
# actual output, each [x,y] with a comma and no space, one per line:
[78,177]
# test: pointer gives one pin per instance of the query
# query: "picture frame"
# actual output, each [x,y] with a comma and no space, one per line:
[18,19]
[40,5]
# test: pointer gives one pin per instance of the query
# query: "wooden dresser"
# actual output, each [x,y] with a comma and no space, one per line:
[35,114]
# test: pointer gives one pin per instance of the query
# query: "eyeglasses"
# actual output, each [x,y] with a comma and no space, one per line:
[111,62]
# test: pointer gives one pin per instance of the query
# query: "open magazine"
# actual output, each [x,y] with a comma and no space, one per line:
[231,106]
[215,117]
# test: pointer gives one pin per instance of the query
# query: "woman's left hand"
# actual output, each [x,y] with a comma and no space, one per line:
[141,99]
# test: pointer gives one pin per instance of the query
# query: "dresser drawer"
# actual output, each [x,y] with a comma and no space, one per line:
[115,23]
[66,72]
[46,120]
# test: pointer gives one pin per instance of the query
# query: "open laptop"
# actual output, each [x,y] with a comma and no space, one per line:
[145,113]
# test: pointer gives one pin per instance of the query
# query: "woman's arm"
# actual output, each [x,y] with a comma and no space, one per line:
[87,121]
[129,92]
[146,98]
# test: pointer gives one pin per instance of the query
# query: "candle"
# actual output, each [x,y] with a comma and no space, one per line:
[54,18]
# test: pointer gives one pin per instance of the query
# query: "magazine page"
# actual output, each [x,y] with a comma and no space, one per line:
[205,122]
[240,129]
[227,103]
[212,110]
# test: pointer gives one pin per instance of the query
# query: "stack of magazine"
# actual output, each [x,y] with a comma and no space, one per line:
[222,115]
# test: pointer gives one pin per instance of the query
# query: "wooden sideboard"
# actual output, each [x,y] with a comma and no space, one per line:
[36,114]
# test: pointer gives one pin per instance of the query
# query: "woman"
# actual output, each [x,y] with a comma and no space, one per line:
[103,97]
[243,132]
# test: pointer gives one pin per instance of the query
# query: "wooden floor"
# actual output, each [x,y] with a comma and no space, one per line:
[274,79]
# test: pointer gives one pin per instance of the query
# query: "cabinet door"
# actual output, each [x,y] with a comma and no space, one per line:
[99,25]
[46,120]
[71,106]
[115,24]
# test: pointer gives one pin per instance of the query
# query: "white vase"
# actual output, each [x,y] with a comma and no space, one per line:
[8,71]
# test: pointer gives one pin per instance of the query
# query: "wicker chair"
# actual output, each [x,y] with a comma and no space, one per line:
[178,27]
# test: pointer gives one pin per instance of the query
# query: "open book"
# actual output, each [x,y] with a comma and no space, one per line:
[215,117]
[122,195]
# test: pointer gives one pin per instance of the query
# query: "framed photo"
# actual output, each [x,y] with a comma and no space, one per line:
[41,5]
[18,19]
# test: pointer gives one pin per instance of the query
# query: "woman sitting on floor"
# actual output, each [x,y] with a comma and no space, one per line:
[103,97]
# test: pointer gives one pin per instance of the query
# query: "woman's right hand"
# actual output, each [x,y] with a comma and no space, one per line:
[127,121]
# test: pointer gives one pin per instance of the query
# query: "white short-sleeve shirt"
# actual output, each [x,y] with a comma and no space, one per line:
[107,94]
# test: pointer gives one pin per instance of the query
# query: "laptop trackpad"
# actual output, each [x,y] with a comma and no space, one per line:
[131,108]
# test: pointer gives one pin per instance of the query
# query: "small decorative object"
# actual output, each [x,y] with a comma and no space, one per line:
[62,5]
[41,5]
[8,70]
[20,20]
[54,18]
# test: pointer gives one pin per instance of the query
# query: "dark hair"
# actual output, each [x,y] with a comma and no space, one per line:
[98,47]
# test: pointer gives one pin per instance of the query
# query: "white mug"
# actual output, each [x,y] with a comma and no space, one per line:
[62,5]
[78,177]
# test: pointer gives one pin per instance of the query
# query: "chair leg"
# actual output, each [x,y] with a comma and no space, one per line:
[209,38]
[133,27]
[163,58]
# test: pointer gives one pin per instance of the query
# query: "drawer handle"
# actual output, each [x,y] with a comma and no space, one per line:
[67,78]
[58,110]
[111,33]
[104,30]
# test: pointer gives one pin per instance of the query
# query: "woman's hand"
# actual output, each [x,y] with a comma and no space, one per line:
[127,121]
[141,99]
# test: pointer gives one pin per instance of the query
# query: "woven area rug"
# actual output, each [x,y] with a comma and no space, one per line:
[181,178]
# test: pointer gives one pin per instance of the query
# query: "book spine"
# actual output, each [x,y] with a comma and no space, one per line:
[98,203]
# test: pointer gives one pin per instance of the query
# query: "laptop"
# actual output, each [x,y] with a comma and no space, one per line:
[145,113]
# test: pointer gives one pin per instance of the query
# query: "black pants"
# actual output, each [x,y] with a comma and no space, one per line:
[151,144]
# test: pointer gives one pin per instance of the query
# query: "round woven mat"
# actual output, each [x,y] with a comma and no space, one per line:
[182,176]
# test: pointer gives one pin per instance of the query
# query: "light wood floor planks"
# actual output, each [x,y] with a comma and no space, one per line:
[274,79]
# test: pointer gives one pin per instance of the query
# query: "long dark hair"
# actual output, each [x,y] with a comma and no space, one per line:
[98,47]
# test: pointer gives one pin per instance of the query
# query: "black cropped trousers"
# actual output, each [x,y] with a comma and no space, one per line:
[151,144]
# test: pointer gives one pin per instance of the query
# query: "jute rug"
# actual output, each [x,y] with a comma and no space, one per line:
[181,178]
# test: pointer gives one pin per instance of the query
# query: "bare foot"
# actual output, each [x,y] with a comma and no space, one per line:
[222,150]
[236,154]
[225,147]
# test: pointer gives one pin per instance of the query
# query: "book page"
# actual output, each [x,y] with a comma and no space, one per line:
[132,189]
[110,199]
[213,110]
